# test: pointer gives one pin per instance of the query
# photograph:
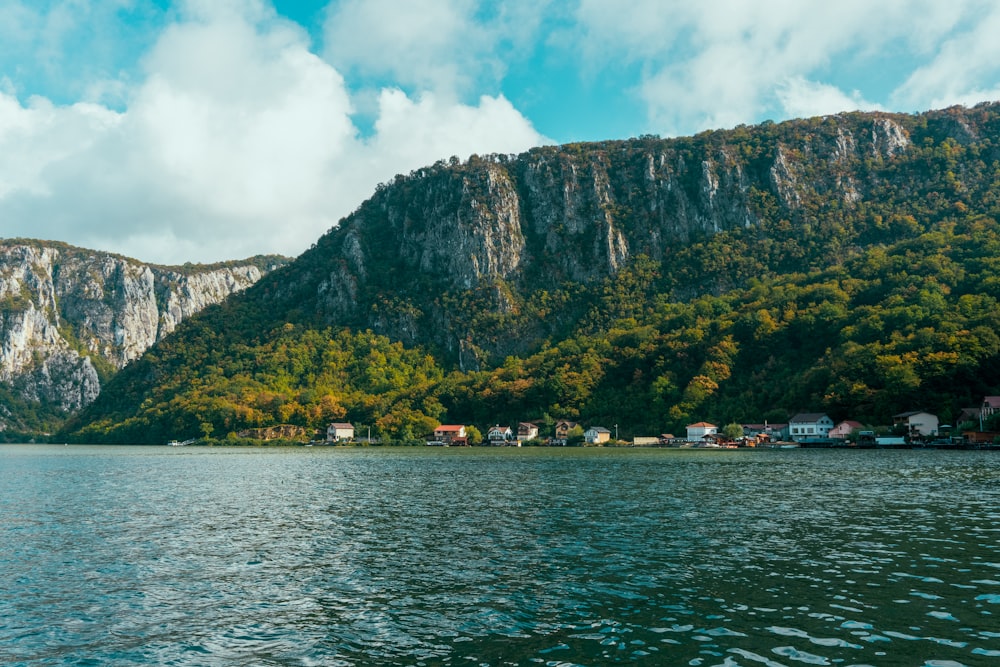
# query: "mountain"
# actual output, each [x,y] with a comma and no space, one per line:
[71,318]
[842,263]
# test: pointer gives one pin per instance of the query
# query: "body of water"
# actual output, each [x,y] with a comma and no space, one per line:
[192,556]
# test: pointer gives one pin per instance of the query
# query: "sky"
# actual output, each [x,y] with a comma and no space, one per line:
[210,130]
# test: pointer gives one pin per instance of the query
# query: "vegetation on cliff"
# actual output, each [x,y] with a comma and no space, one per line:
[846,264]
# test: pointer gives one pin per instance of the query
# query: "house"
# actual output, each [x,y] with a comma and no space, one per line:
[809,425]
[779,432]
[526,431]
[766,432]
[596,435]
[499,436]
[844,429]
[917,423]
[969,415]
[450,434]
[697,432]
[563,427]
[991,405]
[339,432]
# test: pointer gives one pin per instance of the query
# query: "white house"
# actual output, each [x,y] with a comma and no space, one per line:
[806,425]
[698,431]
[917,422]
[339,431]
[526,431]
[595,435]
[500,435]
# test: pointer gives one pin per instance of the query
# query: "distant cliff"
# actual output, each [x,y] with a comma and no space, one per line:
[71,317]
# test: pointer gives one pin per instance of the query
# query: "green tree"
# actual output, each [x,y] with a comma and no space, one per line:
[474,435]
[732,431]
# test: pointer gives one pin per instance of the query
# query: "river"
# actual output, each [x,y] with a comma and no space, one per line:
[396,556]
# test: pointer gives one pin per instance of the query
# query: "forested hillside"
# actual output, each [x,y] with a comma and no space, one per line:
[849,264]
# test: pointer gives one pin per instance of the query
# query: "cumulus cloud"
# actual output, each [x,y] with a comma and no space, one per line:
[719,62]
[443,46]
[801,98]
[965,69]
[237,141]
[408,130]
[234,135]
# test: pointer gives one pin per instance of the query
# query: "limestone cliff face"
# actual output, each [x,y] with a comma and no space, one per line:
[65,312]
[488,232]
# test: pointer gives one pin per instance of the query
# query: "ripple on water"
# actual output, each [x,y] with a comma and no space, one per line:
[137,556]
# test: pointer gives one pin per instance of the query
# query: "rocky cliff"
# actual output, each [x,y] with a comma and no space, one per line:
[431,254]
[70,317]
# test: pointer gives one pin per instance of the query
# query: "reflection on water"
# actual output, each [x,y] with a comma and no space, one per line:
[483,557]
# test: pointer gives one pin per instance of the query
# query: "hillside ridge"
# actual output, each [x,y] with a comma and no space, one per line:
[501,272]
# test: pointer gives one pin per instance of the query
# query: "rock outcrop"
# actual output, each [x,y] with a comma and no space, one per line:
[69,316]
[484,234]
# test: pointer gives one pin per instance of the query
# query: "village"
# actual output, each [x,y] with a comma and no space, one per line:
[916,428]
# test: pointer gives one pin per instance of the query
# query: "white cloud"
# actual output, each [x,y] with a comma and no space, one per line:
[407,131]
[801,98]
[237,141]
[719,62]
[965,68]
[34,137]
[443,46]
[420,43]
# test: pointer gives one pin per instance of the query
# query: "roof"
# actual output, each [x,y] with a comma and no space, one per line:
[702,425]
[904,415]
[450,427]
[991,402]
[498,427]
[341,425]
[599,429]
[969,412]
[807,417]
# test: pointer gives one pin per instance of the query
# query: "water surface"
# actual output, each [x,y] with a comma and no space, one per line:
[170,556]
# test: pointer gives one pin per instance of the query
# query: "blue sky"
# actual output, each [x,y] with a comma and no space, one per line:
[203,130]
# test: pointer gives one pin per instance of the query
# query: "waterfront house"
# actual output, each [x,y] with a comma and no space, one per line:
[563,427]
[451,434]
[595,435]
[499,436]
[526,431]
[339,432]
[810,425]
[765,432]
[696,432]
[844,429]
[969,415]
[991,405]
[917,422]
